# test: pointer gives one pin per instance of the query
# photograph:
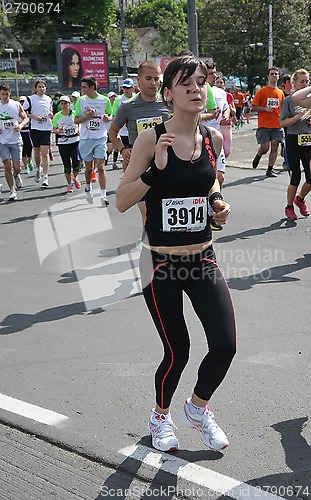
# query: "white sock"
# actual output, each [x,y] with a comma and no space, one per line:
[196,410]
[45,176]
[103,192]
[88,187]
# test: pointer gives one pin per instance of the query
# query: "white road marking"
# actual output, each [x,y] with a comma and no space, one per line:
[197,474]
[28,410]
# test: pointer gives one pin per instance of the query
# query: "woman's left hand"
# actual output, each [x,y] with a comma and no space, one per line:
[221,212]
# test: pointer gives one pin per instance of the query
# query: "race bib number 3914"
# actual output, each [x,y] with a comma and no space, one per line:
[184,214]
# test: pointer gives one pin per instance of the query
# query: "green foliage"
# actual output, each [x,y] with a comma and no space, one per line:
[39,29]
[226,30]
[145,14]
[114,43]
[169,18]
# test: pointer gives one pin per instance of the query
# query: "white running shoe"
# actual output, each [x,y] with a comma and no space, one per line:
[210,433]
[160,427]
[18,181]
[13,195]
[45,182]
[104,201]
[89,196]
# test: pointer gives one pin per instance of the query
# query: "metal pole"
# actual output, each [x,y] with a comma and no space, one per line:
[193,44]
[270,38]
[16,79]
[123,40]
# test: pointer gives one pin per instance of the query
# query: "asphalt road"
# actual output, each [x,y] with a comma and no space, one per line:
[77,340]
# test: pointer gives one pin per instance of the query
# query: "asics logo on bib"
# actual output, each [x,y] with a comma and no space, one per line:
[174,202]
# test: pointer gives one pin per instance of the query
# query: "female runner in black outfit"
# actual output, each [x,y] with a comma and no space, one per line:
[174,167]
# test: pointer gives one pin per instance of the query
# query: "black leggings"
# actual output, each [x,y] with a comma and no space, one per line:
[27,144]
[69,156]
[164,278]
[294,154]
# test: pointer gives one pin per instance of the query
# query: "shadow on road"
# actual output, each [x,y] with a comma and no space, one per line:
[163,484]
[271,275]
[18,322]
[244,235]
[295,484]
[298,458]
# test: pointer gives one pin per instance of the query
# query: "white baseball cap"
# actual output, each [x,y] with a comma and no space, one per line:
[65,98]
[110,94]
[75,93]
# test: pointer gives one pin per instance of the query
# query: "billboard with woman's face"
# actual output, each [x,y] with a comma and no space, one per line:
[76,60]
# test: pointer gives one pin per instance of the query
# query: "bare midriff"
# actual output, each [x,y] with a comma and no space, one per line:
[181,250]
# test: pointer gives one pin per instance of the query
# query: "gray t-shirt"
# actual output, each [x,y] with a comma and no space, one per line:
[138,115]
[288,110]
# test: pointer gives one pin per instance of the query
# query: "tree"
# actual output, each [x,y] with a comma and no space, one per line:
[236,35]
[38,25]
[168,17]
[114,44]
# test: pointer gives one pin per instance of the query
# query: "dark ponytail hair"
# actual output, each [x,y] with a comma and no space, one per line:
[186,66]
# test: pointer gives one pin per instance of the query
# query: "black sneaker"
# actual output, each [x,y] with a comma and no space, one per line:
[214,225]
[270,173]
[256,161]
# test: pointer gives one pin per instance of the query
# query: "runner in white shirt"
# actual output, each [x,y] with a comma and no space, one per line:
[222,115]
[74,97]
[128,92]
[12,119]
[112,97]
[27,144]
[93,111]
[39,108]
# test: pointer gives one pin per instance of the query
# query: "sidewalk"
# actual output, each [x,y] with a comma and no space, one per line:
[244,147]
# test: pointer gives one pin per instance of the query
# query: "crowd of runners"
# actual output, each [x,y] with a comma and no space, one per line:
[174,135]
[87,127]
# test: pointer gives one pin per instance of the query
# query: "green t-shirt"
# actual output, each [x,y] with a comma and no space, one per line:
[70,132]
[95,127]
[211,103]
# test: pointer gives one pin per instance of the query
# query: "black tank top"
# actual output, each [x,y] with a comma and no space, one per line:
[177,212]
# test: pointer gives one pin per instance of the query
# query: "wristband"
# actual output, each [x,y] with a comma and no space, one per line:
[124,147]
[213,197]
[151,174]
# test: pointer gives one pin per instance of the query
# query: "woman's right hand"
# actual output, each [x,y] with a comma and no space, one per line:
[160,151]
